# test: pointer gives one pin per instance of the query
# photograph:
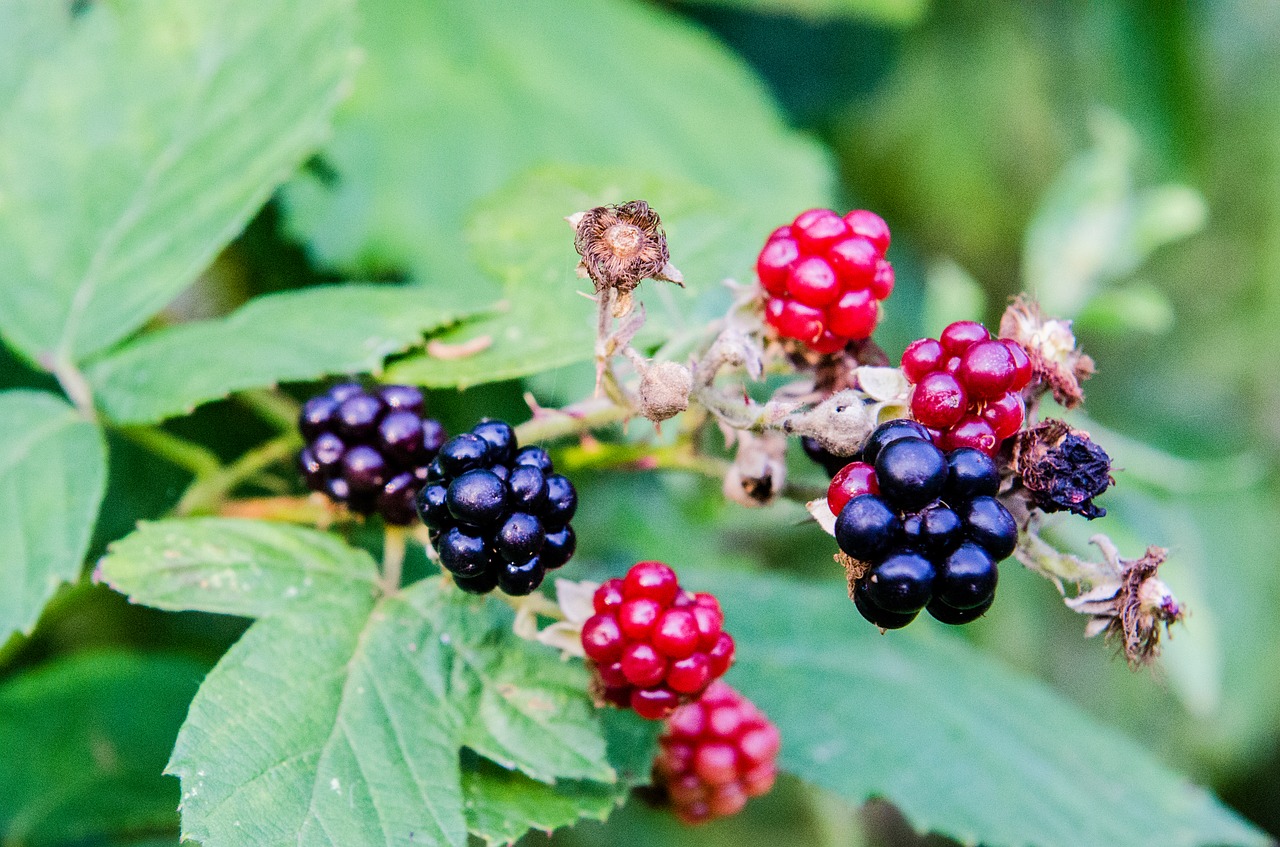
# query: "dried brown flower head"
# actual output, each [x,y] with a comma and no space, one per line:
[621,245]
[1057,363]
[1063,469]
[664,391]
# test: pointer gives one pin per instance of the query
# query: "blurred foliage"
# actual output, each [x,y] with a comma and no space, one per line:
[1119,157]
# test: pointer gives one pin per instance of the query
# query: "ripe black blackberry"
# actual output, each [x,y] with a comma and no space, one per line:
[931,534]
[498,513]
[369,449]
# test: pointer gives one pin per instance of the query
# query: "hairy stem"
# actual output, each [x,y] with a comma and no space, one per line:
[575,419]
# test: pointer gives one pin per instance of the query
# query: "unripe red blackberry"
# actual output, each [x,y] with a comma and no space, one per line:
[968,386]
[652,645]
[498,514]
[369,449]
[824,277]
[715,754]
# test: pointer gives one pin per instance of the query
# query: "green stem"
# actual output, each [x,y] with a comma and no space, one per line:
[206,494]
[75,386]
[393,550]
[576,419]
[273,407]
[196,458]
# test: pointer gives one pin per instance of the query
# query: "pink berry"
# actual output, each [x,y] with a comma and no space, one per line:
[608,596]
[642,664]
[938,400]
[676,633]
[783,231]
[817,229]
[710,622]
[972,431]
[653,580]
[798,321]
[1022,364]
[854,260]
[870,226]
[637,617]
[853,479]
[813,282]
[854,315]
[720,656]
[689,675]
[716,764]
[986,370]
[653,704]
[958,337]
[882,282]
[1005,414]
[775,262]
[602,639]
[922,356]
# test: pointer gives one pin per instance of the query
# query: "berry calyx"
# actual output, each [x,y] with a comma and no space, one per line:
[651,645]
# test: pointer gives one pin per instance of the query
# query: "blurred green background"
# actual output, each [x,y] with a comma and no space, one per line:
[1119,160]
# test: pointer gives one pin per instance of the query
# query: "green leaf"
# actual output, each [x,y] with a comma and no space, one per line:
[28,31]
[86,739]
[144,142]
[897,12]
[380,694]
[961,745]
[493,90]
[297,335]
[53,470]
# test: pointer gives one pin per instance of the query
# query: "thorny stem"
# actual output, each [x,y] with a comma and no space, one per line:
[205,495]
[393,550]
[575,419]
[196,458]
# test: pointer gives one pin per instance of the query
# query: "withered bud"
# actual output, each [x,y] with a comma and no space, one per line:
[1134,607]
[664,391]
[1062,468]
[759,470]
[621,245]
[841,423]
[1057,363]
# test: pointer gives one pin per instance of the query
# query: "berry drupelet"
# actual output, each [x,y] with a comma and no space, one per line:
[369,449]
[824,277]
[926,523]
[652,645]
[968,386]
[498,514]
[715,754]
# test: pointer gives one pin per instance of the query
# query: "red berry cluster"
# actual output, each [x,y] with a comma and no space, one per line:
[652,645]
[825,276]
[715,754]
[968,386]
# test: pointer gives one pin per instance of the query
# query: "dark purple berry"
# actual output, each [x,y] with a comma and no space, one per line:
[558,547]
[911,473]
[364,469]
[463,453]
[358,417]
[343,390]
[312,470]
[328,449]
[462,553]
[482,583]
[535,457]
[970,473]
[400,435]
[501,438]
[395,503]
[940,531]
[403,397]
[956,617]
[889,432]
[967,578]
[876,615]
[477,497]
[562,501]
[528,488]
[435,471]
[902,583]
[338,489]
[988,522]
[520,537]
[319,414]
[433,507]
[520,578]
[866,528]
[433,436]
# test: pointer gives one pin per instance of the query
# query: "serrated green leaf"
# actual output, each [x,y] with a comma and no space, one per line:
[53,470]
[961,745]
[139,146]
[296,335]
[380,694]
[85,741]
[898,12]
[457,100]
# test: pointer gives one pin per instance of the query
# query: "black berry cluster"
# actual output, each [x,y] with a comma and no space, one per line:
[369,449]
[927,523]
[498,514]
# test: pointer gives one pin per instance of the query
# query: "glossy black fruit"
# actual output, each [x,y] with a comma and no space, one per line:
[956,617]
[970,473]
[902,583]
[520,578]
[534,457]
[463,453]
[940,531]
[562,501]
[876,615]
[501,439]
[462,552]
[967,578]
[889,432]
[520,537]
[989,524]
[477,497]
[911,473]
[867,529]
[558,547]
